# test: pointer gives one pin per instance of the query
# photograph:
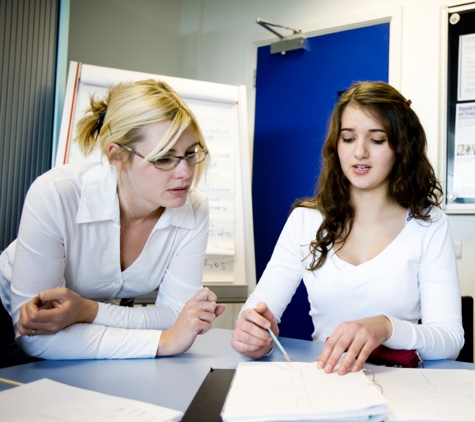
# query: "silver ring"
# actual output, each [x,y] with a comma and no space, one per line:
[33,333]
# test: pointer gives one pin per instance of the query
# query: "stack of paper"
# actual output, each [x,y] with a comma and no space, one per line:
[47,400]
[270,391]
[428,394]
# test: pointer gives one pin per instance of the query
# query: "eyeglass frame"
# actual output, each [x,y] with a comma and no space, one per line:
[179,158]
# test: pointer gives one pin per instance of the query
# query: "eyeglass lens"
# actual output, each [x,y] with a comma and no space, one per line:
[167,163]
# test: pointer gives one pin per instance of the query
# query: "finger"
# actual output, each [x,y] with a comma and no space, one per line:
[200,325]
[353,351]
[220,309]
[205,294]
[50,315]
[242,347]
[362,357]
[201,305]
[328,348]
[338,350]
[254,317]
[47,305]
[27,311]
[250,333]
[243,342]
[59,293]
[323,357]
[261,308]
[204,316]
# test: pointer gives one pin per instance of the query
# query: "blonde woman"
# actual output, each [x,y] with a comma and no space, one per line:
[96,233]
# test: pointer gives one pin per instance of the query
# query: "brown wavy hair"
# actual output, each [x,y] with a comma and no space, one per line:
[412,182]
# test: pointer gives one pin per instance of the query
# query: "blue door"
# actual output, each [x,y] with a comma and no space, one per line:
[295,94]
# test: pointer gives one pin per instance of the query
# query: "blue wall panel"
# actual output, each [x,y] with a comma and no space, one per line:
[295,94]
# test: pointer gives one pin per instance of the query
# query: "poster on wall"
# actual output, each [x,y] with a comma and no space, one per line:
[466,80]
[464,161]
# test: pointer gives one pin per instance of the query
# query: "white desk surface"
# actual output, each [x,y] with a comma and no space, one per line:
[167,381]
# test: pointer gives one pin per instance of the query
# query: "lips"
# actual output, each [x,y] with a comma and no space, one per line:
[361,169]
[179,190]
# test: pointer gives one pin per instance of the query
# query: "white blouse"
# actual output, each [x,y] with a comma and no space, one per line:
[414,278]
[69,236]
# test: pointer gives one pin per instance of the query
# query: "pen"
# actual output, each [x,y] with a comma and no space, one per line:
[279,346]
[10,382]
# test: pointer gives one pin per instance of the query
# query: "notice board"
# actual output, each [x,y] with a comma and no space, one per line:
[460,110]
[221,112]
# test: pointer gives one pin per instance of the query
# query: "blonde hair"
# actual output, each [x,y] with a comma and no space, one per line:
[128,110]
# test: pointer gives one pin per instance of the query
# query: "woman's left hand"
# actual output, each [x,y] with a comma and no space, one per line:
[358,339]
[194,319]
[55,309]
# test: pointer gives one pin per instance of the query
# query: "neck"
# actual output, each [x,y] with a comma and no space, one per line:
[372,204]
[131,214]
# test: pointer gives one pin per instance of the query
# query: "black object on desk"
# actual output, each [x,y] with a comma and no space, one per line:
[210,397]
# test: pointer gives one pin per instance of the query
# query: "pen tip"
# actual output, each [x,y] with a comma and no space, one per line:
[287,358]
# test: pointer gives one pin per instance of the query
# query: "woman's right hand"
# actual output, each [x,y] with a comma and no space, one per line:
[250,337]
[55,309]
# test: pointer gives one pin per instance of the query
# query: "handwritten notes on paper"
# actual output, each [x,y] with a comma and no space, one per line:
[428,394]
[47,400]
[263,391]
[219,126]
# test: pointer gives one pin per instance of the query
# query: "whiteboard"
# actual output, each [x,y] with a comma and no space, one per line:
[221,112]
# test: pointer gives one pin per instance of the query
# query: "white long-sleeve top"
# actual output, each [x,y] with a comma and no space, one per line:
[69,236]
[414,278]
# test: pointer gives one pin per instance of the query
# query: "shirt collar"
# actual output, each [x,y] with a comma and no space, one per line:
[99,201]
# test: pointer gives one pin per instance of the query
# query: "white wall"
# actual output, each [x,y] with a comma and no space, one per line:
[141,35]
[216,44]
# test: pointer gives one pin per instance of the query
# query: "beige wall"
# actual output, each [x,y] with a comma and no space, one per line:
[141,35]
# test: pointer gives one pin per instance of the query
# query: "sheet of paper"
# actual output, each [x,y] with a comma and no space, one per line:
[428,394]
[466,79]
[47,400]
[272,391]
[219,127]
[464,161]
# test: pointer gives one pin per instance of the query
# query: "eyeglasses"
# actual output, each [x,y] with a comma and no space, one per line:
[169,163]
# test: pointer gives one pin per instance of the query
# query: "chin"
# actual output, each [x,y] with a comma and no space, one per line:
[175,203]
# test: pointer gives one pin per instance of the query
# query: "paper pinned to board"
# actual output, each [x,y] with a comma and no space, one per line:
[47,400]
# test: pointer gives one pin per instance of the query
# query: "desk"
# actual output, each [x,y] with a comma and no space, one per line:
[167,381]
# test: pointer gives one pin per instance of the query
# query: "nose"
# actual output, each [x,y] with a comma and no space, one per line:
[184,170]
[361,151]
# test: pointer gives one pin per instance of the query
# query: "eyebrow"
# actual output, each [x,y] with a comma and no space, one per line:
[191,146]
[371,130]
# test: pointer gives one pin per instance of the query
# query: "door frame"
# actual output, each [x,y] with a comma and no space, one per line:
[392,15]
